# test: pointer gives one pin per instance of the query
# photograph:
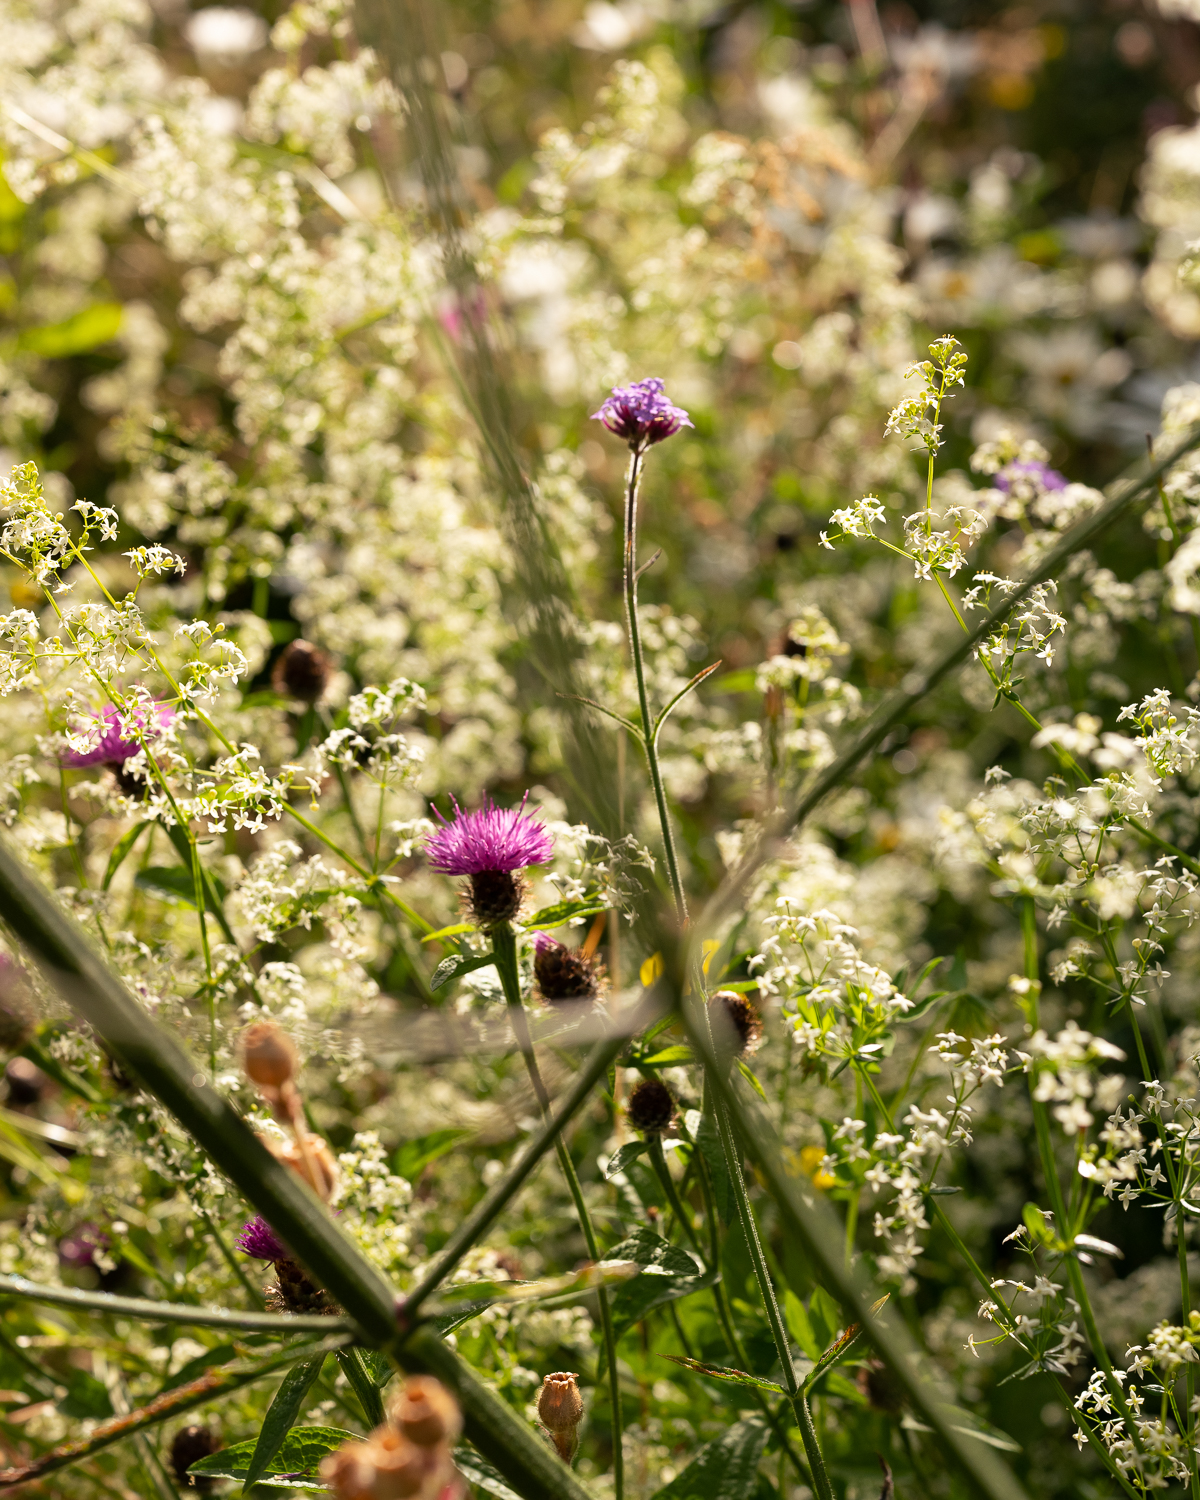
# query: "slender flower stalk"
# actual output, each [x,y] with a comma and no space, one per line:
[504,947]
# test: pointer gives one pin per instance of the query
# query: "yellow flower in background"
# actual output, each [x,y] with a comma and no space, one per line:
[652,969]
[811,1158]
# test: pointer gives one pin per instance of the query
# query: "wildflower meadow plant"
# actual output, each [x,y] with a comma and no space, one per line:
[489,1008]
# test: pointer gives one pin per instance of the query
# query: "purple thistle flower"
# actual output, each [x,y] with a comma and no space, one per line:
[113,747]
[260,1240]
[1031,474]
[641,414]
[492,840]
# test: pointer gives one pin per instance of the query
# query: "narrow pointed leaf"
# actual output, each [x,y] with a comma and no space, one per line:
[720,1372]
[121,850]
[456,965]
[362,1382]
[622,1158]
[680,696]
[281,1416]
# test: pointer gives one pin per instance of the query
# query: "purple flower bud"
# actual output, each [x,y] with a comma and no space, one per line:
[641,414]
[1030,475]
[113,746]
[260,1240]
[494,839]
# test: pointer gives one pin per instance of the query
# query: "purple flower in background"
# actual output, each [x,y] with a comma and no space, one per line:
[499,839]
[641,414]
[260,1240]
[1030,475]
[113,747]
[77,1251]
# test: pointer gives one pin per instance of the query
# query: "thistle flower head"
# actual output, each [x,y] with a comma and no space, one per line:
[493,839]
[188,1447]
[641,414]
[738,1017]
[259,1240]
[114,745]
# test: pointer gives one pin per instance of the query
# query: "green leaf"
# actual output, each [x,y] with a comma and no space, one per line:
[211,1359]
[825,1315]
[294,1466]
[480,1474]
[708,1141]
[445,932]
[799,1327]
[86,1398]
[121,850]
[737,682]
[669,1057]
[458,964]
[748,1075]
[668,1272]
[281,1416]
[168,882]
[627,1154]
[561,913]
[841,1346]
[412,1157]
[362,1382]
[719,1372]
[726,1469]
[1037,1224]
[77,334]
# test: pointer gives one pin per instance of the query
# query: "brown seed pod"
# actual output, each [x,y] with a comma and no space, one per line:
[349,1472]
[268,1055]
[401,1468]
[302,671]
[651,1106]
[560,1407]
[426,1413]
[741,1014]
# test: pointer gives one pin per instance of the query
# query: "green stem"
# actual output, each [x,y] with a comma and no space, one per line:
[762,1276]
[144,1309]
[658,1160]
[649,738]
[231,1260]
[504,946]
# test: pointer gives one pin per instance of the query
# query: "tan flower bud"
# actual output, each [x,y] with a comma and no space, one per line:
[401,1468]
[560,1407]
[426,1413]
[349,1472]
[268,1055]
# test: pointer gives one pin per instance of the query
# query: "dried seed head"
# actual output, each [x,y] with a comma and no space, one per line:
[268,1055]
[426,1413]
[302,671]
[561,972]
[742,1016]
[295,1291]
[651,1107]
[188,1447]
[560,1407]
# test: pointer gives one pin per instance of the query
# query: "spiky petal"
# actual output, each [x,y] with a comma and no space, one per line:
[260,1240]
[491,840]
[641,414]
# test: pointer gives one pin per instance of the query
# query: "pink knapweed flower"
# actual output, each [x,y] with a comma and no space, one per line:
[491,840]
[260,1240]
[1029,475]
[641,414]
[113,746]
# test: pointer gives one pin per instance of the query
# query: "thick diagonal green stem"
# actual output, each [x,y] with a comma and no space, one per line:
[629,573]
[504,946]
[156,1058]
